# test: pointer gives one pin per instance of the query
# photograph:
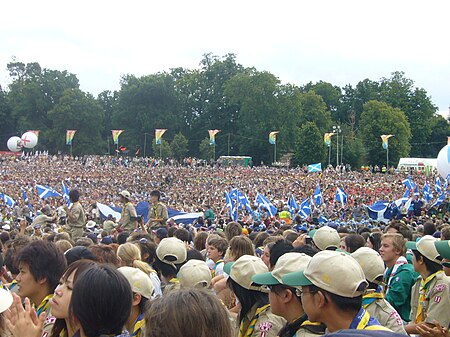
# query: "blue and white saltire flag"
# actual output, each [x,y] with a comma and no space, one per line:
[416,191]
[66,191]
[315,167]
[341,196]
[409,183]
[261,200]
[305,208]
[427,193]
[46,192]
[322,219]
[234,193]
[438,186]
[439,200]
[230,205]
[243,201]
[25,198]
[292,204]
[446,183]
[377,211]
[7,199]
[318,199]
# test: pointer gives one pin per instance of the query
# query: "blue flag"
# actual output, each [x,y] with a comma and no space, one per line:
[305,208]
[439,200]
[438,186]
[409,183]
[7,199]
[66,191]
[416,191]
[292,204]
[318,199]
[315,167]
[25,198]
[427,193]
[46,192]
[243,202]
[261,200]
[231,206]
[341,196]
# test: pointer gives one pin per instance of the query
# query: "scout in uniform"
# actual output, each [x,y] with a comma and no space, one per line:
[373,299]
[76,219]
[128,219]
[157,213]
[285,300]
[332,287]
[430,297]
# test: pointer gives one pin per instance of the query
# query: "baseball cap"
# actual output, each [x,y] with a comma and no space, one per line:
[6,299]
[335,272]
[171,251]
[194,274]
[370,261]
[78,253]
[326,237]
[244,269]
[443,248]
[161,233]
[426,247]
[125,194]
[140,282]
[287,263]
[90,224]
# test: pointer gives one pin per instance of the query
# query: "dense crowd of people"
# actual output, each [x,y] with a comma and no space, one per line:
[68,270]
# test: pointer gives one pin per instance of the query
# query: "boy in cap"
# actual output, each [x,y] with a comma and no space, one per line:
[128,219]
[443,248]
[171,253]
[194,274]
[373,299]
[332,287]
[285,300]
[430,296]
[142,288]
[326,238]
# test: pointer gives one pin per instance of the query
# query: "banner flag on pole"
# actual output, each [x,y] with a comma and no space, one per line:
[69,136]
[273,137]
[212,136]
[385,140]
[115,136]
[158,134]
[327,138]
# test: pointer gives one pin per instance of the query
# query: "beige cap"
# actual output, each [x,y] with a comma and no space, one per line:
[426,247]
[6,299]
[244,269]
[287,263]
[371,263]
[335,272]
[125,194]
[171,251]
[140,282]
[326,237]
[195,274]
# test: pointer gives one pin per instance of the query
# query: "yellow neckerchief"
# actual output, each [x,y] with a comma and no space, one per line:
[252,324]
[155,207]
[310,323]
[424,284]
[140,322]
[62,333]
[369,298]
[174,281]
[45,304]
[213,272]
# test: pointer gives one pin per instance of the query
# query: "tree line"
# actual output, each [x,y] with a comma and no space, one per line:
[243,102]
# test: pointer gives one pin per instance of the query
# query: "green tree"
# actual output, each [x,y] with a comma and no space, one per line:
[7,125]
[108,101]
[315,110]
[179,146]
[162,150]
[379,118]
[330,94]
[79,111]
[440,130]
[206,150]
[310,148]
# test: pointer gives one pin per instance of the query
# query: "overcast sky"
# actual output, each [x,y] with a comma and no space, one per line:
[298,41]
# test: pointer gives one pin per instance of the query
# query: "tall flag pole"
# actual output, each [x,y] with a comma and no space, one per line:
[158,135]
[385,144]
[327,140]
[69,138]
[273,140]
[212,140]
[115,136]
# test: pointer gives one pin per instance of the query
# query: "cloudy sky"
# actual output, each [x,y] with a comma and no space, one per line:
[299,41]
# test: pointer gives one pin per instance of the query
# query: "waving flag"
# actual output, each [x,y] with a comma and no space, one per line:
[230,205]
[315,167]
[409,183]
[212,136]
[261,200]
[273,137]
[318,199]
[66,191]
[385,140]
[439,200]
[292,204]
[427,193]
[438,186]
[416,191]
[7,199]
[341,196]
[46,192]
[305,208]
[158,134]
[377,211]
[115,135]
[327,138]
[446,183]
[69,136]
[25,198]
[243,201]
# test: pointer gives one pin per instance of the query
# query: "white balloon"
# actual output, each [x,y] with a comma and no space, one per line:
[29,139]
[443,164]
[14,144]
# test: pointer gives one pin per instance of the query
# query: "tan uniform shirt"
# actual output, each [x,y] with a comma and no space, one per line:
[128,211]
[437,303]
[267,324]
[109,225]
[386,315]
[158,211]
[80,217]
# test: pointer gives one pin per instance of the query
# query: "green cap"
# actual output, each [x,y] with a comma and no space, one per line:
[265,279]
[411,245]
[296,279]
[227,267]
[443,247]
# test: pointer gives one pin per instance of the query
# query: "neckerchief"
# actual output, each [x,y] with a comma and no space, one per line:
[389,276]
[213,272]
[140,322]
[12,285]
[424,284]
[174,281]
[369,298]
[45,304]
[124,209]
[252,324]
